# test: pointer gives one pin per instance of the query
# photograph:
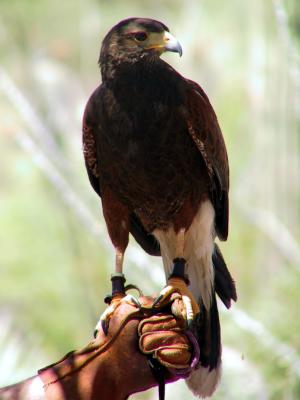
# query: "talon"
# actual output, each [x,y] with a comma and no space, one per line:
[189,311]
[190,302]
[106,316]
[177,284]
[188,308]
[131,299]
[157,300]
[115,302]
[104,326]
[165,295]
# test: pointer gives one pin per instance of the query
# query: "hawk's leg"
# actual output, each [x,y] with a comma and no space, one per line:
[178,281]
[117,220]
[117,297]
[117,294]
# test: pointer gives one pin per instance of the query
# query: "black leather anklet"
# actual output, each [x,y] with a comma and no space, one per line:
[178,269]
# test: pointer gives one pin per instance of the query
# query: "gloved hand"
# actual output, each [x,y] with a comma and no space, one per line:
[165,337]
[111,366]
[161,336]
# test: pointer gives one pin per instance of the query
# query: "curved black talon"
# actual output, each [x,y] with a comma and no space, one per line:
[95,334]
[157,300]
[104,326]
[135,301]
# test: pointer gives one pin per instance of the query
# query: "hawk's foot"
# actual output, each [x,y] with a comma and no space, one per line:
[117,297]
[186,307]
[117,294]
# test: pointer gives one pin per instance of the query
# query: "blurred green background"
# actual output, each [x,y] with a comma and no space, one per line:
[55,257]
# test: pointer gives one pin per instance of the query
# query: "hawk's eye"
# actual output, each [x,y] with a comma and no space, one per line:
[140,36]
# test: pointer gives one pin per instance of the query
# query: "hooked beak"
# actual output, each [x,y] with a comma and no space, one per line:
[172,44]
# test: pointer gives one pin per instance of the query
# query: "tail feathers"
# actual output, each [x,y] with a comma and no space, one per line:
[209,335]
[204,380]
[224,284]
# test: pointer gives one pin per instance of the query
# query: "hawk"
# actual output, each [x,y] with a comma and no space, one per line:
[155,154]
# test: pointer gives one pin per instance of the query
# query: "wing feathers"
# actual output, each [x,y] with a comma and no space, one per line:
[205,131]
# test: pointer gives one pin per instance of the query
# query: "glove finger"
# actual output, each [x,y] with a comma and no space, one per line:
[159,322]
[150,342]
[174,357]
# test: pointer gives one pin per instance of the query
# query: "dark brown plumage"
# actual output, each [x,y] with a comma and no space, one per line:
[155,153]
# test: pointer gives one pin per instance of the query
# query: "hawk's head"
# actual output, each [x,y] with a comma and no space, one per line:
[136,38]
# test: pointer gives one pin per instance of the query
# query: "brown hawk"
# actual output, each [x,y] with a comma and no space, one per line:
[155,154]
